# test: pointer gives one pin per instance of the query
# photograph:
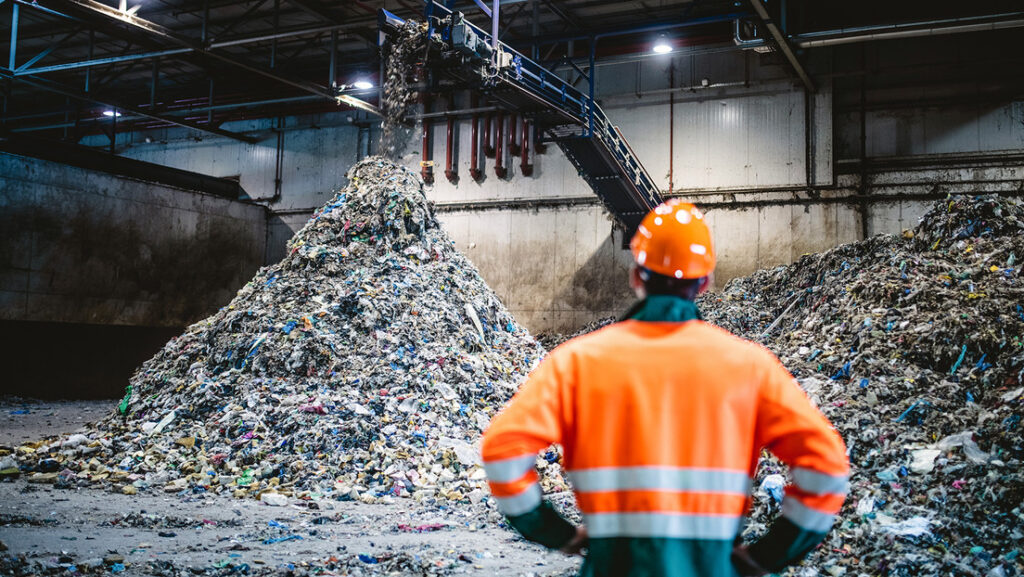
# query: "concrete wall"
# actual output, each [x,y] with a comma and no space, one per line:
[80,246]
[554,268]
[97,272]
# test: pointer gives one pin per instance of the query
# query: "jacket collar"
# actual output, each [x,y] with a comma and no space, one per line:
[663,308]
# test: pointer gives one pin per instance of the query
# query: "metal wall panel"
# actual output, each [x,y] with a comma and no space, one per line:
[725,142]
[960,129]
[315,160]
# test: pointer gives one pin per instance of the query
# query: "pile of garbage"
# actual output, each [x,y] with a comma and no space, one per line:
[913,345]
[552,340]
[364,365]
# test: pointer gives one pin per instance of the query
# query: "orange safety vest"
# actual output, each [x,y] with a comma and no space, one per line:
[662,424]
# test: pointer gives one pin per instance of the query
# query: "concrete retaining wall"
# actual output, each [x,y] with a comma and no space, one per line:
[98,271]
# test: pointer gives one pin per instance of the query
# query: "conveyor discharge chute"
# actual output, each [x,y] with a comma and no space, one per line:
[466,57]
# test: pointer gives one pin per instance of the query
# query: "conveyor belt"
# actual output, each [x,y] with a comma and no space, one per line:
[569,117]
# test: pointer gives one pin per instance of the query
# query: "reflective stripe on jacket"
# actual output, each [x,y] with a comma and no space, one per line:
[662,424]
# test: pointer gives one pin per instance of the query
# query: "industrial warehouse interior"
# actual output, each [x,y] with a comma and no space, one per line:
[512,287]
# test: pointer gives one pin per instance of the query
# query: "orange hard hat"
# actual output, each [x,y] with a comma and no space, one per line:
[673,240]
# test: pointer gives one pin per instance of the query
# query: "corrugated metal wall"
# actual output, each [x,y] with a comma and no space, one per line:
[956,129]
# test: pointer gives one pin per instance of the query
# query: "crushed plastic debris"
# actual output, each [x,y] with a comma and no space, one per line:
[385,563]
[912,345]
[362,366]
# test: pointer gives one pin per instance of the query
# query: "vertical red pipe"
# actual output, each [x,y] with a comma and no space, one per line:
[474,160]
[499,152]
[513,148]
[524,147]
[426,162]
[488,137]
[449,169]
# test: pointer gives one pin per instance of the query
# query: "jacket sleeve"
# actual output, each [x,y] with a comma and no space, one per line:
[792,428]
[531,422]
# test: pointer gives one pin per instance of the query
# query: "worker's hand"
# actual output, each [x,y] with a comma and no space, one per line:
[745,564]
[578,542]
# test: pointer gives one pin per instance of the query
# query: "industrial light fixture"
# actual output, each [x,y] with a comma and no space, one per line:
[111,113]
[662,46]
[362,85]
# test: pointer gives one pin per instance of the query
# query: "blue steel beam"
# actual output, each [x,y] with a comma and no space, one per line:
[25,70]
[46,52]
[482,6]
[14,36]
[111,103]
[112,14]
[659,27]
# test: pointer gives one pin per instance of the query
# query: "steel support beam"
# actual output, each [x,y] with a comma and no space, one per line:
[783,43]
[26,69]
[112,103]
[46,52]
[484,7]
[14,37]
[176,112]
[495,23]
[112,14]
[332,80]
[314,9]
[241,19]
[23,71]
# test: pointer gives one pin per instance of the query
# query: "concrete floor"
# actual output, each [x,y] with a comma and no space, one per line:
[52,528]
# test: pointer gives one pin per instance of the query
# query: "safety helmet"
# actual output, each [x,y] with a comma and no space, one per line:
[673,240]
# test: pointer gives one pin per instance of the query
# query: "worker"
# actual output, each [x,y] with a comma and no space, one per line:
[662,419]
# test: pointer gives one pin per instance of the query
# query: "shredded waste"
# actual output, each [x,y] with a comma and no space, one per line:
[552,340]
[363,366]
[349,564]
[400,97]
[913,346]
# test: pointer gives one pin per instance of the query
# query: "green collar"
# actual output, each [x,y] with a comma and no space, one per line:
[663,308]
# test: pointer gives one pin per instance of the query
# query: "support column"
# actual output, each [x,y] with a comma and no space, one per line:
[14,36]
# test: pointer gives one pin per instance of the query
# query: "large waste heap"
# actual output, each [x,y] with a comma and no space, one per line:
[912,345]
[363,365]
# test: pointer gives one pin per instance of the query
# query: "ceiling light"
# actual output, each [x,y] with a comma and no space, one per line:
[111,113]
[662,45]
[362,85]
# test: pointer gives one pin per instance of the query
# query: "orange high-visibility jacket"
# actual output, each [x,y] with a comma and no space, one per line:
[662,424]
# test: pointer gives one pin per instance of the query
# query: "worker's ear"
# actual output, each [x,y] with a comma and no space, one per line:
[705,283]
[636,283]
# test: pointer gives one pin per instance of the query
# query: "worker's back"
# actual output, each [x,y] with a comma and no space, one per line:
[662,447]
[662,424]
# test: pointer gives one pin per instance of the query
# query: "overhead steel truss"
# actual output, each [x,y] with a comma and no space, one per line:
[92,15]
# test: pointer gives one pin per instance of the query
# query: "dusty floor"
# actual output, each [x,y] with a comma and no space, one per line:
[24,420]
[51,530]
